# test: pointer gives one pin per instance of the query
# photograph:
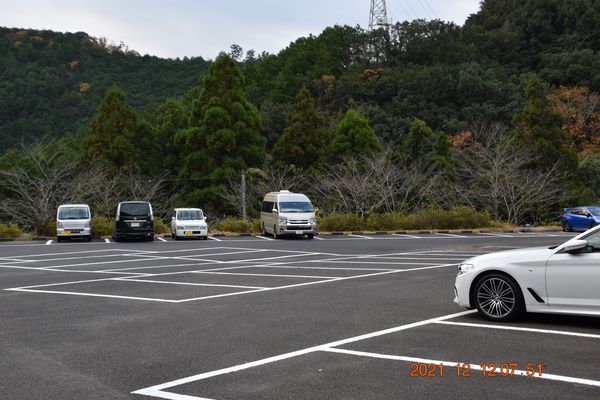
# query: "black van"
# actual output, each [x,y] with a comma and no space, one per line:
[134,220]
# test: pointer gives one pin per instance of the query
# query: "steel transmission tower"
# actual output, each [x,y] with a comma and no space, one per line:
[378,17]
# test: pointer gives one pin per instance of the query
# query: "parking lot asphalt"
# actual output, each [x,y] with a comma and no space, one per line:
[338,317]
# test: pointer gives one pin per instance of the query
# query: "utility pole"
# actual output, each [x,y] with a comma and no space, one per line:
[244,216]
[378,17]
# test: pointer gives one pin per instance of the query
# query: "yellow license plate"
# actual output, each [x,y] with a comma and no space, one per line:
[67,232]
[188,233]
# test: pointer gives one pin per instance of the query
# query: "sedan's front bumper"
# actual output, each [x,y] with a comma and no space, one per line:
[462,288]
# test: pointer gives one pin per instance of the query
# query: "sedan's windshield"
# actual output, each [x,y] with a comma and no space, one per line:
[295,207]
[73,213]
[595,211]
[189,215]
[135,209]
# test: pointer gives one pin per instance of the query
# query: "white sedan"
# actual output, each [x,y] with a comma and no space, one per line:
[561,279]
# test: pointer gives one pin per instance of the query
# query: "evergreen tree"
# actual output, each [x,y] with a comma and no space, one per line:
[441,154]
[353,136]
[538,127]
[171,118]
[304,143]
[113,131]
[418,141]
[224,135]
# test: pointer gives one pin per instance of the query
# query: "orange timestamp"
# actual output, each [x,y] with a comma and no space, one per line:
[507,369]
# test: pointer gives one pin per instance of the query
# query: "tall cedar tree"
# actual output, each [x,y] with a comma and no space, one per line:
[353,136]
[111,138]
[417,143]
[224,136]
[304,143]
[441,154]
[538,127]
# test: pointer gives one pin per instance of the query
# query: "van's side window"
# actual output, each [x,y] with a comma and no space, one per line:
[267,206]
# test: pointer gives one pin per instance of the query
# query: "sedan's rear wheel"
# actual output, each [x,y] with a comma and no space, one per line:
[568,227]
[498,298]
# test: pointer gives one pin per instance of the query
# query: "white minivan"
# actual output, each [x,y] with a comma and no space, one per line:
[73,220]
[188,223]
[287,213]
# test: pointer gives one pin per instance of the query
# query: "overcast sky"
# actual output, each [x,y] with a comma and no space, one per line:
[179,28]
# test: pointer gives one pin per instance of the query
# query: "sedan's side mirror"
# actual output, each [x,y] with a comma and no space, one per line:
[574,245]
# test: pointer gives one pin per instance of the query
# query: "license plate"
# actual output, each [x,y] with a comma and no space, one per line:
[135,224]
[299,232]
[67,233]
[188,233]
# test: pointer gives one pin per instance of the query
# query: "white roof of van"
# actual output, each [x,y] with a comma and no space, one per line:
[73,205]
[188,209]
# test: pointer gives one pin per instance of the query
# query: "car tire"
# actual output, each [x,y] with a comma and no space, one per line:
[310,235]
[593,224]
[275,236]
[89,238]
[568,227]
[58,239]
[205,237]
[498,297]
[263,231]
[175,237]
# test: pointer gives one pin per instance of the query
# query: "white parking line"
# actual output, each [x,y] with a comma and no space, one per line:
[551,377]
[262,237]
[451,235]
[189,283]
[158,390]
[521,329]
[319,238]
[269,275]
[48,242]
[106,240]
[161,239]
[359,236]
[407,236]
[496,234]
[214,238]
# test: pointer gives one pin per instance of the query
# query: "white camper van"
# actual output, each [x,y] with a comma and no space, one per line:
[286,213]
[73,220]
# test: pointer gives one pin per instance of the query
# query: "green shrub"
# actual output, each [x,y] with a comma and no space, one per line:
[101,226]
[11,231]
[160,227]
[341,222]
[235,225]
[49,229]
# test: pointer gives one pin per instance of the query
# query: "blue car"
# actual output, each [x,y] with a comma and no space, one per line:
[580,218]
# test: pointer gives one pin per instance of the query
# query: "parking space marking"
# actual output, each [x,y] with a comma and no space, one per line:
[158,390]
[517,372]
[451,235]
[520,329]
[359,236]
[262,237]
[270,275]
[318,238]
[496,234]
[404,235]
[161,239]
[49,242]
[188,283]
[94,295]
[106,240]
[214,238]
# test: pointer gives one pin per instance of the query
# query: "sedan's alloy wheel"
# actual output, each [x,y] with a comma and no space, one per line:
[496,297]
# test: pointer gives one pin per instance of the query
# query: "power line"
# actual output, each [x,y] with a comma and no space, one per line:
[432,11]
[404,9]
[424,9]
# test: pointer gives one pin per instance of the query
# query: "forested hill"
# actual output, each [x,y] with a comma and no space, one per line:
[52,83]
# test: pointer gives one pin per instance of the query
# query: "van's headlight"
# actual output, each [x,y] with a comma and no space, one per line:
[313,221]
[87,225]
[283,220]
[464,268]
[59,225]
[180,228]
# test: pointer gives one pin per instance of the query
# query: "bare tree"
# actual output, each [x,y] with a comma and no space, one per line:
[33,193]
[366,184]
[497,175]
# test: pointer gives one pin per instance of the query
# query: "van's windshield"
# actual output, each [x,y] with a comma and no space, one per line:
[73,213]
[189,215]
[295,207]
[135,209]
